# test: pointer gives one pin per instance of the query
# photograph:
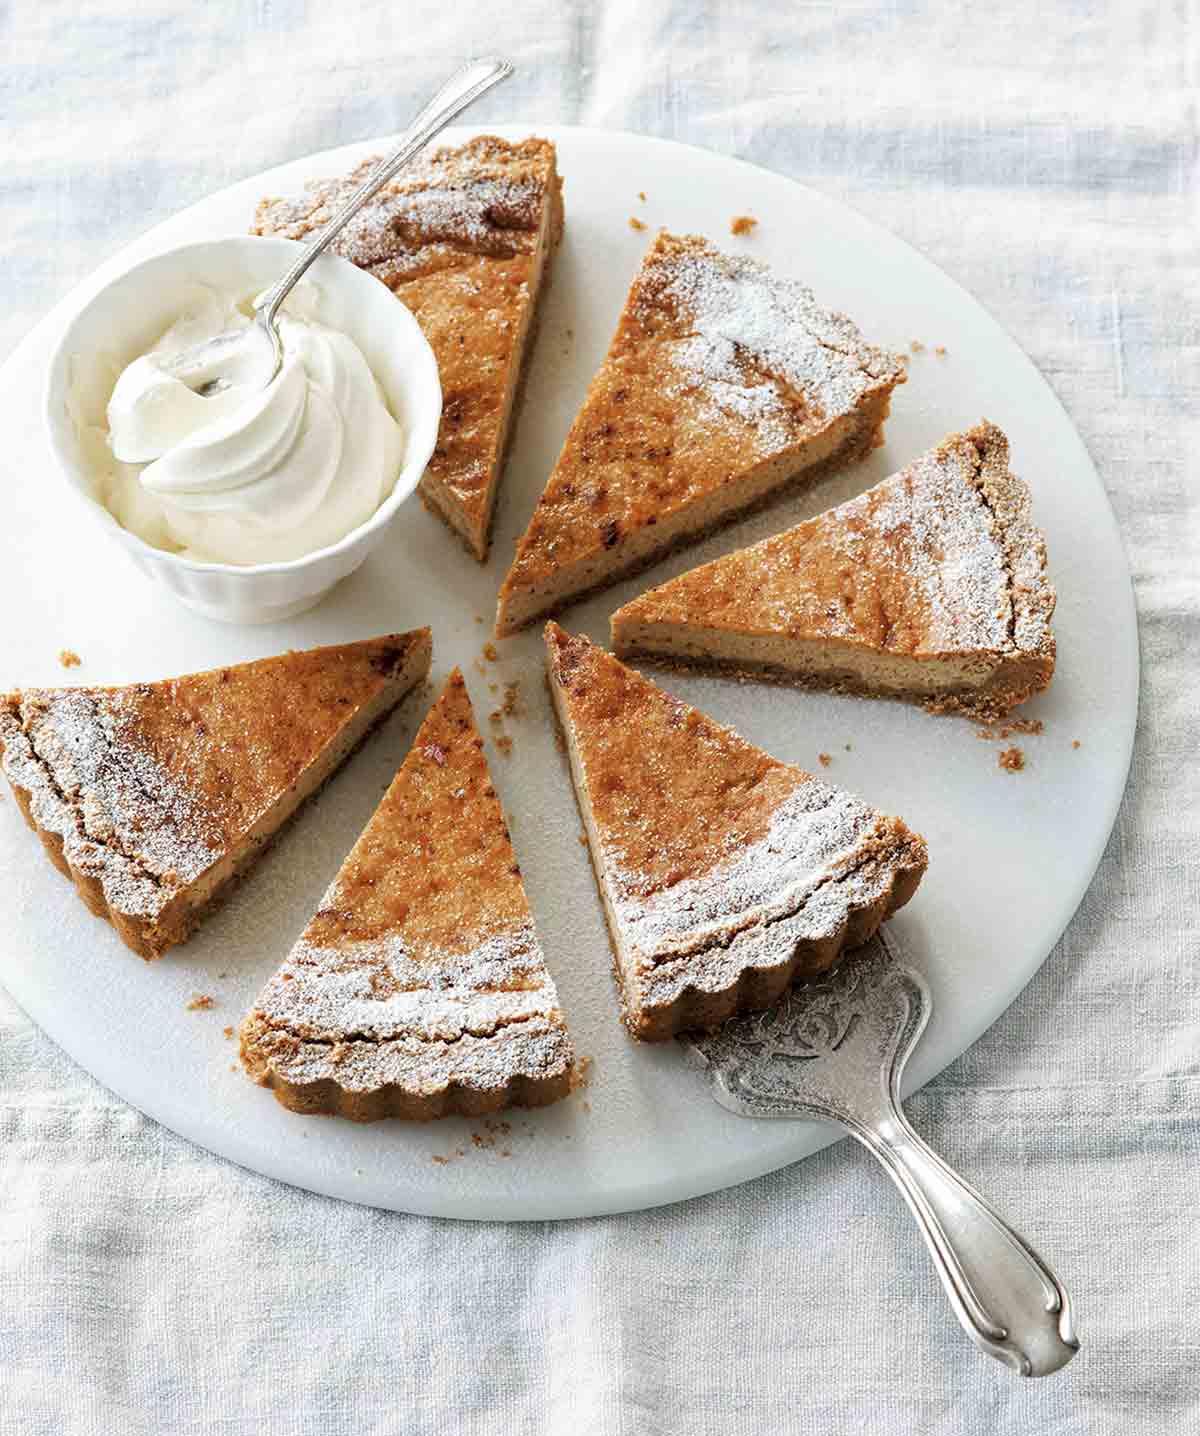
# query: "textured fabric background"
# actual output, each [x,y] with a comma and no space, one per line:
[1045,154]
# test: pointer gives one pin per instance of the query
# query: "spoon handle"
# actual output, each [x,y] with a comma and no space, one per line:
[1007,1299]
[462,89]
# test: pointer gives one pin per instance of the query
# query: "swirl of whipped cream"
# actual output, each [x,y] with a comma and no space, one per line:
[251,475]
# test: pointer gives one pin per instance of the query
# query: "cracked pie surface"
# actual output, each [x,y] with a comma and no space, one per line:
[152,798]
[419,988]
[465,238]
[724,384]
[725,874]
[931,586]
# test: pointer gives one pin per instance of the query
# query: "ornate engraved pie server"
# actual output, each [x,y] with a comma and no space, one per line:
[835,1050]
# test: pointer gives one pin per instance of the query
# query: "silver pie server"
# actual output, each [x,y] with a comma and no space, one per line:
[253,356]
[835,1050]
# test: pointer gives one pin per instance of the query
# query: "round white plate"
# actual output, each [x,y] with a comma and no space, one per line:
[1010,854]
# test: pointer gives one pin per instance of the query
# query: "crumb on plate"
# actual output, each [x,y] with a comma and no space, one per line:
[200,1002]
[1005,728]
[635,223]
[742,224]
[1012,760]
[69,658]
[491,1131]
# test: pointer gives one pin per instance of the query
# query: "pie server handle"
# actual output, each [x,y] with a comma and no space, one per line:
[1006,1297]
[836,1050]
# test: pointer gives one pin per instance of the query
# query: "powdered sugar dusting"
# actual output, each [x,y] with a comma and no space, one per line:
[537,1048]
[946,543]
[1033,596]
[774,941]
[372,1014]
[123,819]
[1032,601]
[380,990]
[458,199]
[760,347]
[957,527]
[815,835]
[711,366]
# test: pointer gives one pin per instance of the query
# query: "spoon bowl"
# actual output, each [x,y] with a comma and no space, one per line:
[248,358]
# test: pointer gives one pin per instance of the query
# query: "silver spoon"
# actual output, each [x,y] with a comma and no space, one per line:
[836,1050]
[255,354]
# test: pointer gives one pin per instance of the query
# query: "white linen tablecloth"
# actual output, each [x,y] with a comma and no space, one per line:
[1045,154]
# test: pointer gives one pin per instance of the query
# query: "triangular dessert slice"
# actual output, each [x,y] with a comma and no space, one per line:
[931,586]
[724,383]
[465,238]
[725,874]
[152,798]
[419,988]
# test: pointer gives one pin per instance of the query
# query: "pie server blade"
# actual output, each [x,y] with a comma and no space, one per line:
[835,1049]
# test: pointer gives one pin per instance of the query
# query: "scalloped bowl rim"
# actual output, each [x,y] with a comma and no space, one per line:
[56,422]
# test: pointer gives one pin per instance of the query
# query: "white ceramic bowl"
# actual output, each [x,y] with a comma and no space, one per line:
[130,313]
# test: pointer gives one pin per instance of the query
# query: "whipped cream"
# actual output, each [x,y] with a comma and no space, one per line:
[252,474]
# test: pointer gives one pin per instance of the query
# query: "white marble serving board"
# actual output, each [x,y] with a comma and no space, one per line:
[1010,854]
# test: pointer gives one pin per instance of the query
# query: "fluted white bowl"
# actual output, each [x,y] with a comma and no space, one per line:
[129,314]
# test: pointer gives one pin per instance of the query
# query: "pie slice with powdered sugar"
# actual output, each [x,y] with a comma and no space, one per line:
[465,238]
[152,798]
[723,384]
[419,988]
[931,586]
[725,874]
